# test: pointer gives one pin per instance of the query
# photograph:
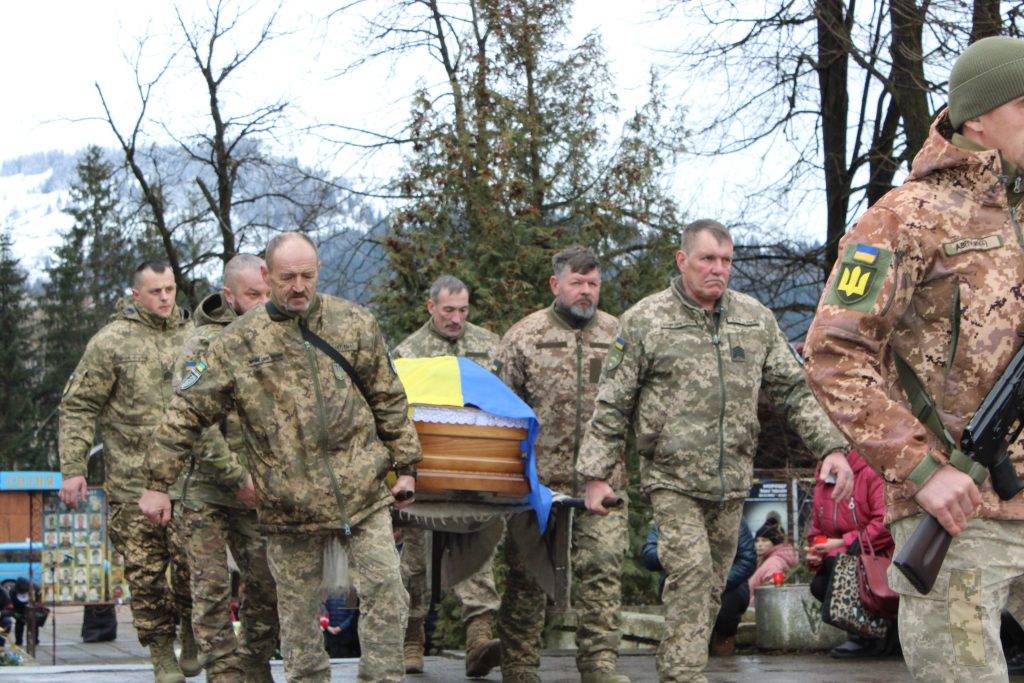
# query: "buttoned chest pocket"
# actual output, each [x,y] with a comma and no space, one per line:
[743,343]
[679,350]
[342,381]
[130,372]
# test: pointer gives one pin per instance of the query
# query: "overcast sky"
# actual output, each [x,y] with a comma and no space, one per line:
[53,53]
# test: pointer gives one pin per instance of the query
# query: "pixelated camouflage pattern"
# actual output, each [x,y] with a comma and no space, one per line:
[555,369]
[123,383]
[478,593]
[297,565]
[598,545]
[207,531]
[318,451]
[696,546]
[148,550]
[956,243]
[476,343]
[952,634]
[688,379]
[217,465]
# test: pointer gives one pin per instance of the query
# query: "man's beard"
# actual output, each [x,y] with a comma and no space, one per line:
[584,313]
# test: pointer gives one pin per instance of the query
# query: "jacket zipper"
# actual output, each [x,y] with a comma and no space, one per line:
[897,257]
[1016,226]
[322,440]
[716,341]
[579,407]
[954,331]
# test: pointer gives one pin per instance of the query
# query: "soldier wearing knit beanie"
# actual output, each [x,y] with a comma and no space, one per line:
[988,74]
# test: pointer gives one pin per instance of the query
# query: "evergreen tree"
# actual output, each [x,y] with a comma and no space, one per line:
[521,165]
[88,275]
[16,372]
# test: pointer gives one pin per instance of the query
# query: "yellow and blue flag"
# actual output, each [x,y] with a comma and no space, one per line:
[865,254]
[452,381]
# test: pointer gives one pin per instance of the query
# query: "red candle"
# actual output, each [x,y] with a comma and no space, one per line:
[778,578]
[324,622]
[820,539]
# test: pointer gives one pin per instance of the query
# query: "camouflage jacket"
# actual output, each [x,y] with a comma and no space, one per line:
[688,380]
[476,343]
[216,468]
[555,368]
[932,272]
[318,450]
[122,384]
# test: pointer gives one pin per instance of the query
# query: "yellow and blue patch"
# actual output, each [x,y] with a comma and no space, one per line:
[865,254]
[193,376]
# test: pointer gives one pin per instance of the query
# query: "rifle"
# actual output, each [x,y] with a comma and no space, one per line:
[985,440]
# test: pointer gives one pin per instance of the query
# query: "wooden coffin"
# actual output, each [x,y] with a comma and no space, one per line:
[462,457]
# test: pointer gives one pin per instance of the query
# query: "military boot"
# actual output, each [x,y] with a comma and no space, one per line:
[520,675]
[188,660]
[413,651]
[483,651]
[165,666]
[603,676]
[258,672]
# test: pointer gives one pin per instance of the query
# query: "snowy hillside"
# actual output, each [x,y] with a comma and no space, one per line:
[30,205]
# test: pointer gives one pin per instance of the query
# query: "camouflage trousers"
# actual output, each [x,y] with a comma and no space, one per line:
[478,594]
[208,530]
[598,546]
[148,551]
[952,634]
[297,562]
[696,548]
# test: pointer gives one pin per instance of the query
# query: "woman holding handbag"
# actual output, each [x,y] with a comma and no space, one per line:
[836,527]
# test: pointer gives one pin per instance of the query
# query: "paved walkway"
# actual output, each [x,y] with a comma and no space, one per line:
[558,667]
[125,661]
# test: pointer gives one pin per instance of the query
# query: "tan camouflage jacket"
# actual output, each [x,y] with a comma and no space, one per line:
[688,381]
[933,272]
[318,451]
[555,368]
[216,468]
[123,384]
[476,343]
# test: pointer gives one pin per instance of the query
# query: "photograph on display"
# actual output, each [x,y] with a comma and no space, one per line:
[75,551]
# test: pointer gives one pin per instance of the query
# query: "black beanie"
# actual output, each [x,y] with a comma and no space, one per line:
[772,530]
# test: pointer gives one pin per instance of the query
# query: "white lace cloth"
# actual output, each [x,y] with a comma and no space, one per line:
[465,416]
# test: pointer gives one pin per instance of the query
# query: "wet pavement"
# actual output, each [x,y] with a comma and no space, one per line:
[556,668]
[125,661]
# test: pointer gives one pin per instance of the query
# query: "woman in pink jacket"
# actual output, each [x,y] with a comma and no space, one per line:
[773,553]
[836,526]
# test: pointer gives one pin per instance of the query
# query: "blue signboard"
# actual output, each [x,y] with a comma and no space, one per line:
[29,481]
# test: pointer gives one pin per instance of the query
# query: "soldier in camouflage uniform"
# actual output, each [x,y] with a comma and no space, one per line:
[212,516]
[552,360]
[931,275]
[685,371]
[123,382]
[319,442]
[449,333]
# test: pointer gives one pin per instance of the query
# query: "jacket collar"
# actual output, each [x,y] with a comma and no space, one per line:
[309,317]
[555,317]
[691,306]
[977,172]
[432,329]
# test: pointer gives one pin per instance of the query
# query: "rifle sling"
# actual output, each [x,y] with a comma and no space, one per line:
[335,355]
[921,404]
[923,408]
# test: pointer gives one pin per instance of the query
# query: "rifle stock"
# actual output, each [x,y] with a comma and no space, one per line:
[921,556]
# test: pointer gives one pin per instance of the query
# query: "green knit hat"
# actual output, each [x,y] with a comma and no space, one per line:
[988,74]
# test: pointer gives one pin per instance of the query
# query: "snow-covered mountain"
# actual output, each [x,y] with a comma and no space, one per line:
[30,206]
[34,189]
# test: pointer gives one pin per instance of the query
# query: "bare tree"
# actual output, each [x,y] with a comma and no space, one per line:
[850,88]
[222,190]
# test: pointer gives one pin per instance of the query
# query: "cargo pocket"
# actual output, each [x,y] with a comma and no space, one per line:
[966,617]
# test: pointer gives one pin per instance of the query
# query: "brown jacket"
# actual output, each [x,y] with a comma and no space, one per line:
[933,272]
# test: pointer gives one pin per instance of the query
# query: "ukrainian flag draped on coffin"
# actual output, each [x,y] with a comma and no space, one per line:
[452,381]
